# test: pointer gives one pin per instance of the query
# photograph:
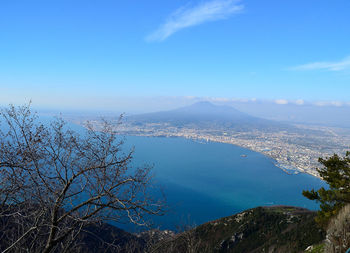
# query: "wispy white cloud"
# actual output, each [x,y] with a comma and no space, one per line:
[299,102]
[281,101]
[187,100]
[330,66]
[191,16]
[330,103]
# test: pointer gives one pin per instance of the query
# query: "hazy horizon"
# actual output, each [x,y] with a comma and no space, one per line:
[328,113]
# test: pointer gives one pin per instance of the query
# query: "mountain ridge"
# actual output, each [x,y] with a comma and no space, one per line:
[207,115]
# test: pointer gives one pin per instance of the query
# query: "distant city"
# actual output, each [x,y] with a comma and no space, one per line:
[295,148]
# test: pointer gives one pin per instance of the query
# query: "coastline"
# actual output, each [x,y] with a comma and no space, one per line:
[293,152]
[286,168]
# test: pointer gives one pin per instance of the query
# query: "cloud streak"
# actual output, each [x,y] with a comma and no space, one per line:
[329,66]
[191,16]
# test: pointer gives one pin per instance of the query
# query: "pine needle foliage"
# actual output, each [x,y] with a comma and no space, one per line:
[336,173]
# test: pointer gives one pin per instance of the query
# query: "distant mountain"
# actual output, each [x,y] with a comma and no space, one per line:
[208,115]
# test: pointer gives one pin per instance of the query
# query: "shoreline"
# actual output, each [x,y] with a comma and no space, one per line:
[286,168]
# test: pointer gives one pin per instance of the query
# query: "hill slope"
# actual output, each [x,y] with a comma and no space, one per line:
[277,229]
[262,229]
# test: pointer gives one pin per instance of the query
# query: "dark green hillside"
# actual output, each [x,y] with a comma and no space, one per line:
[262,229]
[277,229]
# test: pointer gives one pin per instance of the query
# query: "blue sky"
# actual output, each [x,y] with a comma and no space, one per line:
[111,54]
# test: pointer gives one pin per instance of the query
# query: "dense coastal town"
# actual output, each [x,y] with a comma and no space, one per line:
[292,152]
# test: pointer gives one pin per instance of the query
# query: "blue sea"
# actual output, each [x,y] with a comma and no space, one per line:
[207,181]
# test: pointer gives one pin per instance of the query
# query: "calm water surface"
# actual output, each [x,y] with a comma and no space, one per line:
[203,182]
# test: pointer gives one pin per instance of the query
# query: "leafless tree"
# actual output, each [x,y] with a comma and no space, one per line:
[54,182]
[187,240]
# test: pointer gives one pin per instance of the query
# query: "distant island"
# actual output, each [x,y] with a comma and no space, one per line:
[295,148]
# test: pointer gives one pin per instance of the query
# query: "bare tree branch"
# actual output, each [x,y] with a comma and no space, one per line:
[55,181]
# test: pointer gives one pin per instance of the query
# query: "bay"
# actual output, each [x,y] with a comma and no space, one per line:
[203,182]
